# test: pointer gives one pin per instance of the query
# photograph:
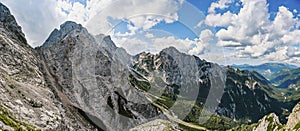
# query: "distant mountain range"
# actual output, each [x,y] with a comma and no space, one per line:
[279,74]
[287,78]
[267,69]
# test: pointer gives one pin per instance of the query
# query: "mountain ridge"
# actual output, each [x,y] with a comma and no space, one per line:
[86,82]
[266,69]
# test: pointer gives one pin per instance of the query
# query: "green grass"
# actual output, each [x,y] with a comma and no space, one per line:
[8,119]
[143,85]
[216,122]
[297,126]
[243,127]
[165,101]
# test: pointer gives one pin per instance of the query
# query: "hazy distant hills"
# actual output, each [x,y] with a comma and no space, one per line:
[267,69]
[280,75]
[286,78]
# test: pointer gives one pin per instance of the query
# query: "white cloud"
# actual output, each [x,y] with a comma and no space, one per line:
[228,43]
[250,32]
[283,23]
[220,20]
[221,4]
[143,14]
[291,37]
[46,15]
[293,51]
[149,35]
[206,36]
[136,45]
[250,21]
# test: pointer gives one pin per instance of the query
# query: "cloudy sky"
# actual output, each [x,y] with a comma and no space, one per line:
[224,31]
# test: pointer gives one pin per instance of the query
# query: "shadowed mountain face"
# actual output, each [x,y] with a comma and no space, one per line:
[287,79]
[244,95]
[77,81]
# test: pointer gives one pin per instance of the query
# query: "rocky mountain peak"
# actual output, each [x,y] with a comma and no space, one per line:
[4,11]
[8,24]
[170,50]
[106,42]
[68,28]
[269,122]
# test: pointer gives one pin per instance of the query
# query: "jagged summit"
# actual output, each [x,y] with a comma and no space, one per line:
[4,11]
[65,29]
[107,43]
[170,49]
[8,24]
[69,26]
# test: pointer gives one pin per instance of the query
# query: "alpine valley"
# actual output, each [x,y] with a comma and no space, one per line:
[78,81]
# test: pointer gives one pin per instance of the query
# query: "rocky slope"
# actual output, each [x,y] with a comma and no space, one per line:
[271,123]
[26,101]
[294,118]
[93,75]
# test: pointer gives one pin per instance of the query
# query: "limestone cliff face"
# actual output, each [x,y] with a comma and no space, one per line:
[269,122]
[294,119]
[93,75]
[75,81]
[27,100]
[24,95]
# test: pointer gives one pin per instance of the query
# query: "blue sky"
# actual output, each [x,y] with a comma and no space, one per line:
[222,31]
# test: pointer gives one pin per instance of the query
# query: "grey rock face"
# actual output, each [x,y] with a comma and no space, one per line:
[9,25]
[93,73]
[156,125]
[25,98]
[294,119]
[22,85]
[269,122]
[235,94]
[182,77]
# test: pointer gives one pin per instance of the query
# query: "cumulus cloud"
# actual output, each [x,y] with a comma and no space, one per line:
[153,44]
[220,20]
[39,17]
[251,32]
[206,36]
[221,4]
[141,14]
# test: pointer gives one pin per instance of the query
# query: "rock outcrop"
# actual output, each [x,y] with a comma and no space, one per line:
[268,123]
[293,122]
[93,75]
[26,100]
[241,95]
